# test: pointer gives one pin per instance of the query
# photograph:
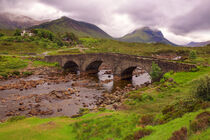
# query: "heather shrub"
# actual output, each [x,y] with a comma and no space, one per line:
[201,88]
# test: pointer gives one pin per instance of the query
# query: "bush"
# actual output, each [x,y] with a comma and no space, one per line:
[4,75]
[16,73]
[193,55]
[1,34]
[180,134]
[47,35]
[70,37]
[142,133]
[16,118]
[179,108]
[27,73]
[201,88]
[155,72]
[17,32]
[147,120]
[140,97]
[201,122]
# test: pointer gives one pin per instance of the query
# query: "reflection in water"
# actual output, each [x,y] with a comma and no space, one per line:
[103,77]
[138,80]
[107,80]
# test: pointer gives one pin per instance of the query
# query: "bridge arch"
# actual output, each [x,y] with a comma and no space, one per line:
[120,63]
[127,72]
[71,66]
[93,66]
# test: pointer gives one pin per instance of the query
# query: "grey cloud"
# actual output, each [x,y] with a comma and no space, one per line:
[144,12]
[92,10]
[196,20]
[161,13]
[7,5]
[178,16]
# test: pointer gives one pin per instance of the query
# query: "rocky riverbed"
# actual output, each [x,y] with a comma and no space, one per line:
[49,92]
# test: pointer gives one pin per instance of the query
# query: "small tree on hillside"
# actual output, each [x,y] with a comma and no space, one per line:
[71,37]
[193,55]
[156,72]
[1,34]
[201,88]
[17,32]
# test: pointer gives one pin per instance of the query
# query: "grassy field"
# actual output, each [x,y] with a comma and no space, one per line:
[124,123]
[90,45]
[117,124]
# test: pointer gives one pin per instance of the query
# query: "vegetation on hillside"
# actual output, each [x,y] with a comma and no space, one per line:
[156,72]
[81,29]
[170,113]
[146,35]
[164,110]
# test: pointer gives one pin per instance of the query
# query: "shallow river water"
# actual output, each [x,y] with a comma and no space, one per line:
[14,99]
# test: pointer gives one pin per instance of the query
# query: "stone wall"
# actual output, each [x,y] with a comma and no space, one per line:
[119,62]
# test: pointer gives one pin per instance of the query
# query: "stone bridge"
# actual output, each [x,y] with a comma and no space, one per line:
[122,65]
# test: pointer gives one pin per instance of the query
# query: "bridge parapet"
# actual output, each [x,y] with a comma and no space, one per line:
[119,62]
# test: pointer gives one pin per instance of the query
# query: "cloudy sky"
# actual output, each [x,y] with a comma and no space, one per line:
[181,21]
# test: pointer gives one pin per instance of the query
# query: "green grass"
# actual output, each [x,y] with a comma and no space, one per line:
[186,77]
[7,32]
[18,45]
[107,124]
[100,125]
[117,126]
[113,124]
[42,63]
[205,135]
[9,64]
[164,132]
[64,51]
[35,45]
[154,98]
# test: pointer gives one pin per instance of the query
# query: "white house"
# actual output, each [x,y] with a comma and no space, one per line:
[26,33]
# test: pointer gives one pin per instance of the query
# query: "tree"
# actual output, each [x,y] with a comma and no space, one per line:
[1,34]
[17,32]
[192,54]
[42,33]
[156,72]
[201,88]
[71,37]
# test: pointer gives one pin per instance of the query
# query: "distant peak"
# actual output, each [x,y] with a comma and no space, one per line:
[145,29]
[65,17]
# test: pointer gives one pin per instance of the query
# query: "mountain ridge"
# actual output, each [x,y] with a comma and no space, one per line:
[80,28]
[198,44]
[146,35]
[13,21]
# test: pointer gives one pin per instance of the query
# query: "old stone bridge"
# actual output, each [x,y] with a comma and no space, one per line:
[122,65]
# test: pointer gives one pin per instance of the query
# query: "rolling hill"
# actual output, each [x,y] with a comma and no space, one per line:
[12,21]
[198,44]
[81,29]
[146,35]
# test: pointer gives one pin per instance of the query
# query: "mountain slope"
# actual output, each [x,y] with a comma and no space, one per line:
[198,44]
[12,21]
[81,29]
[146,35]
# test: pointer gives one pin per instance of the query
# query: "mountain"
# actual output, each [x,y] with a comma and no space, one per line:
[12,21]
[198,44]
[146,35]
[81,29]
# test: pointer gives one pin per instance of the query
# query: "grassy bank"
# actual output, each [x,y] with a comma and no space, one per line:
[168,101]
[101,125]
[121,124]
[13,65]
